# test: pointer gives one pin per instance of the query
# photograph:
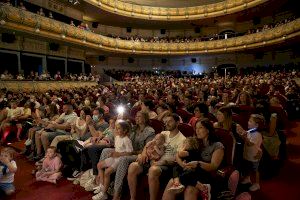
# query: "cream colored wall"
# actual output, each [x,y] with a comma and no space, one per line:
[204,63]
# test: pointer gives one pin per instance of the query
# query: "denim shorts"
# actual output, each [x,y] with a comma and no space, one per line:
[7,187]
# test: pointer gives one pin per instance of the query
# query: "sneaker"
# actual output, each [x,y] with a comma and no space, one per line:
[246,180]
[28,142]
[98,189]
[78,147]
[90,184]
[177,188]
[75,175]
[254,187]
[100,196]
[205,194]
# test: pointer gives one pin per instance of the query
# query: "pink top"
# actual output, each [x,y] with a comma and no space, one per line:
[52,164]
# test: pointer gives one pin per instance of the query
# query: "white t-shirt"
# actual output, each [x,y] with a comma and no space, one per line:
[70,118]
[9,176]
[123,144]
[172,145]
[251,151]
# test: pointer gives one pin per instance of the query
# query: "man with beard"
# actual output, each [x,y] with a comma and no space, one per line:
[173,143]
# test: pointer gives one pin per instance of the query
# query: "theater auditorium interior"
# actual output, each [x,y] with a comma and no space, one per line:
[149,99]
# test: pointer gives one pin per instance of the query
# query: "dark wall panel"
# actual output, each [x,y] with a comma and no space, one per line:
[31,63]
[54,65]
[74,67]
[8,62]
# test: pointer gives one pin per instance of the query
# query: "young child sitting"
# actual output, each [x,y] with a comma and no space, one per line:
[252,150]
[8,168]
[50,170]
[155,149]
[123,147]
[189,153]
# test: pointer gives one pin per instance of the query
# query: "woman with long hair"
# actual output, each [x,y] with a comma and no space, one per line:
[210,159]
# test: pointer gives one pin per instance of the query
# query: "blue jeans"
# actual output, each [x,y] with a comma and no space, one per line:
[8,188]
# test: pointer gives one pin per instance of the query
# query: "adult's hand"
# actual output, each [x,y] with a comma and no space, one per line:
[191,165]
[142,159]
[240,130]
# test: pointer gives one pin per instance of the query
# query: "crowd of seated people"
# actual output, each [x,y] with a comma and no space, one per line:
[46,76]
[184,39]
[125,75]
[89,131]
[272,25]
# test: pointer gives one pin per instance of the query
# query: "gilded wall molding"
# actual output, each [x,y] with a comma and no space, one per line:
[42,86]
[175,14]
[16,19]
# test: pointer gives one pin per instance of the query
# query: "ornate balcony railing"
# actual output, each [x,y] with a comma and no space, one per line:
[175,14]
[42,86]
[20,20]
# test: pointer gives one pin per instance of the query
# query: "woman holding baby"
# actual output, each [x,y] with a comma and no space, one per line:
[210,158]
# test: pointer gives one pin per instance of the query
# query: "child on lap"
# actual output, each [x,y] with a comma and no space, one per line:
[155,149]
[190,153]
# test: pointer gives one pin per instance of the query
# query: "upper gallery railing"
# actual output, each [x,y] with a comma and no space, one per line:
[175,14]
[42,86]
[16,19]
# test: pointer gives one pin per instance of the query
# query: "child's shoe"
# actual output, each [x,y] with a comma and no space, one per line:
[177,188]
[98,189]
[100,196]
[254,187]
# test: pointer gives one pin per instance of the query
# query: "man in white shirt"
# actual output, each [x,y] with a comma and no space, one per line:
[174,141]
[61,126]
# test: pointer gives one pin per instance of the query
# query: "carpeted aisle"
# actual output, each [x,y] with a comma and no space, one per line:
[28,189]
[284,186]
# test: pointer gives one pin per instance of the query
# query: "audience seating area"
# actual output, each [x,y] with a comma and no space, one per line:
[156,97]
